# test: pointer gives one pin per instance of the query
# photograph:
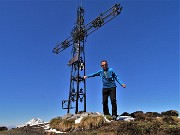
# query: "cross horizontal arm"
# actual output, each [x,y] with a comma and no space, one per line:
[82,32]
[103,18]
[63,45]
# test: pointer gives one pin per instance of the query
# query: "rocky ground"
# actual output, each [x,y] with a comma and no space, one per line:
[150,123]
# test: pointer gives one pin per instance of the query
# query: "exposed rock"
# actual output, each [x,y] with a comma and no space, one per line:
[171,113]
[68,115]
[138,115]
[153,114]
[3,128]
[125,114]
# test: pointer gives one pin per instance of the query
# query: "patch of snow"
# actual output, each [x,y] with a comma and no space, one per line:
[54,131]
[99,113]
[46,127]
[77,121]
[125,118]
[129,119]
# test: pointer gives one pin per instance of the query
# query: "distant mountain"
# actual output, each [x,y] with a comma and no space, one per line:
[33,122]
[35,125]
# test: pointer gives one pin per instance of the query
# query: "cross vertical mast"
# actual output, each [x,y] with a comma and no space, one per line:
[77,90]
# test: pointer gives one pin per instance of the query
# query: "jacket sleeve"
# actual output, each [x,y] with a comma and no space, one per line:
[117,78]
[94,74]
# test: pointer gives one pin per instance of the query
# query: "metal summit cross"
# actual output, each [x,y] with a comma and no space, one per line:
[77,90]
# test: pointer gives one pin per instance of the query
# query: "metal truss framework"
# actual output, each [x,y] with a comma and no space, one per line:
[77,91]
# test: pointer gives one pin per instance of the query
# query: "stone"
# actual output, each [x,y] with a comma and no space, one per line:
[153,114]
[125,114]
[68,115]
[171,113]
[138,115]
[3,128]
[92,122]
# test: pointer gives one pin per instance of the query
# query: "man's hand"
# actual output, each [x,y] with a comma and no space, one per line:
[123,85]
[85,77]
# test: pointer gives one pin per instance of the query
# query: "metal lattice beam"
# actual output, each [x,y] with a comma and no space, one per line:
[77,91]
[90,27]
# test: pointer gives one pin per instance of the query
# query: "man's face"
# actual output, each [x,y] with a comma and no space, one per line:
[104,65]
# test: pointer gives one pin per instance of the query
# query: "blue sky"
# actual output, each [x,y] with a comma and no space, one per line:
[141,45]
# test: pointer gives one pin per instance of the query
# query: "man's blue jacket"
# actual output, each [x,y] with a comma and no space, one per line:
[108,77]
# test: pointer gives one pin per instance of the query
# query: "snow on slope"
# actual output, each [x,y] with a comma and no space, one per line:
[33,122]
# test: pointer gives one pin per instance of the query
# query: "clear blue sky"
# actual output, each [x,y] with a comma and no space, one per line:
[141,45]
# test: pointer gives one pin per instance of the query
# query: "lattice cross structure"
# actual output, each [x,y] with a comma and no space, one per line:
[77,39]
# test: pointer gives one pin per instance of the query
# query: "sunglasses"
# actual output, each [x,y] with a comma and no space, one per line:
[104,65]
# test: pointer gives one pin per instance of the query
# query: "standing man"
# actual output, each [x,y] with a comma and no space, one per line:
[109,87]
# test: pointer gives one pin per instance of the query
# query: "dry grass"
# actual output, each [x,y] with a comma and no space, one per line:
[92,122]
[55,123]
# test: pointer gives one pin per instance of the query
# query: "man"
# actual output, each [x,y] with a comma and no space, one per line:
[109,87]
